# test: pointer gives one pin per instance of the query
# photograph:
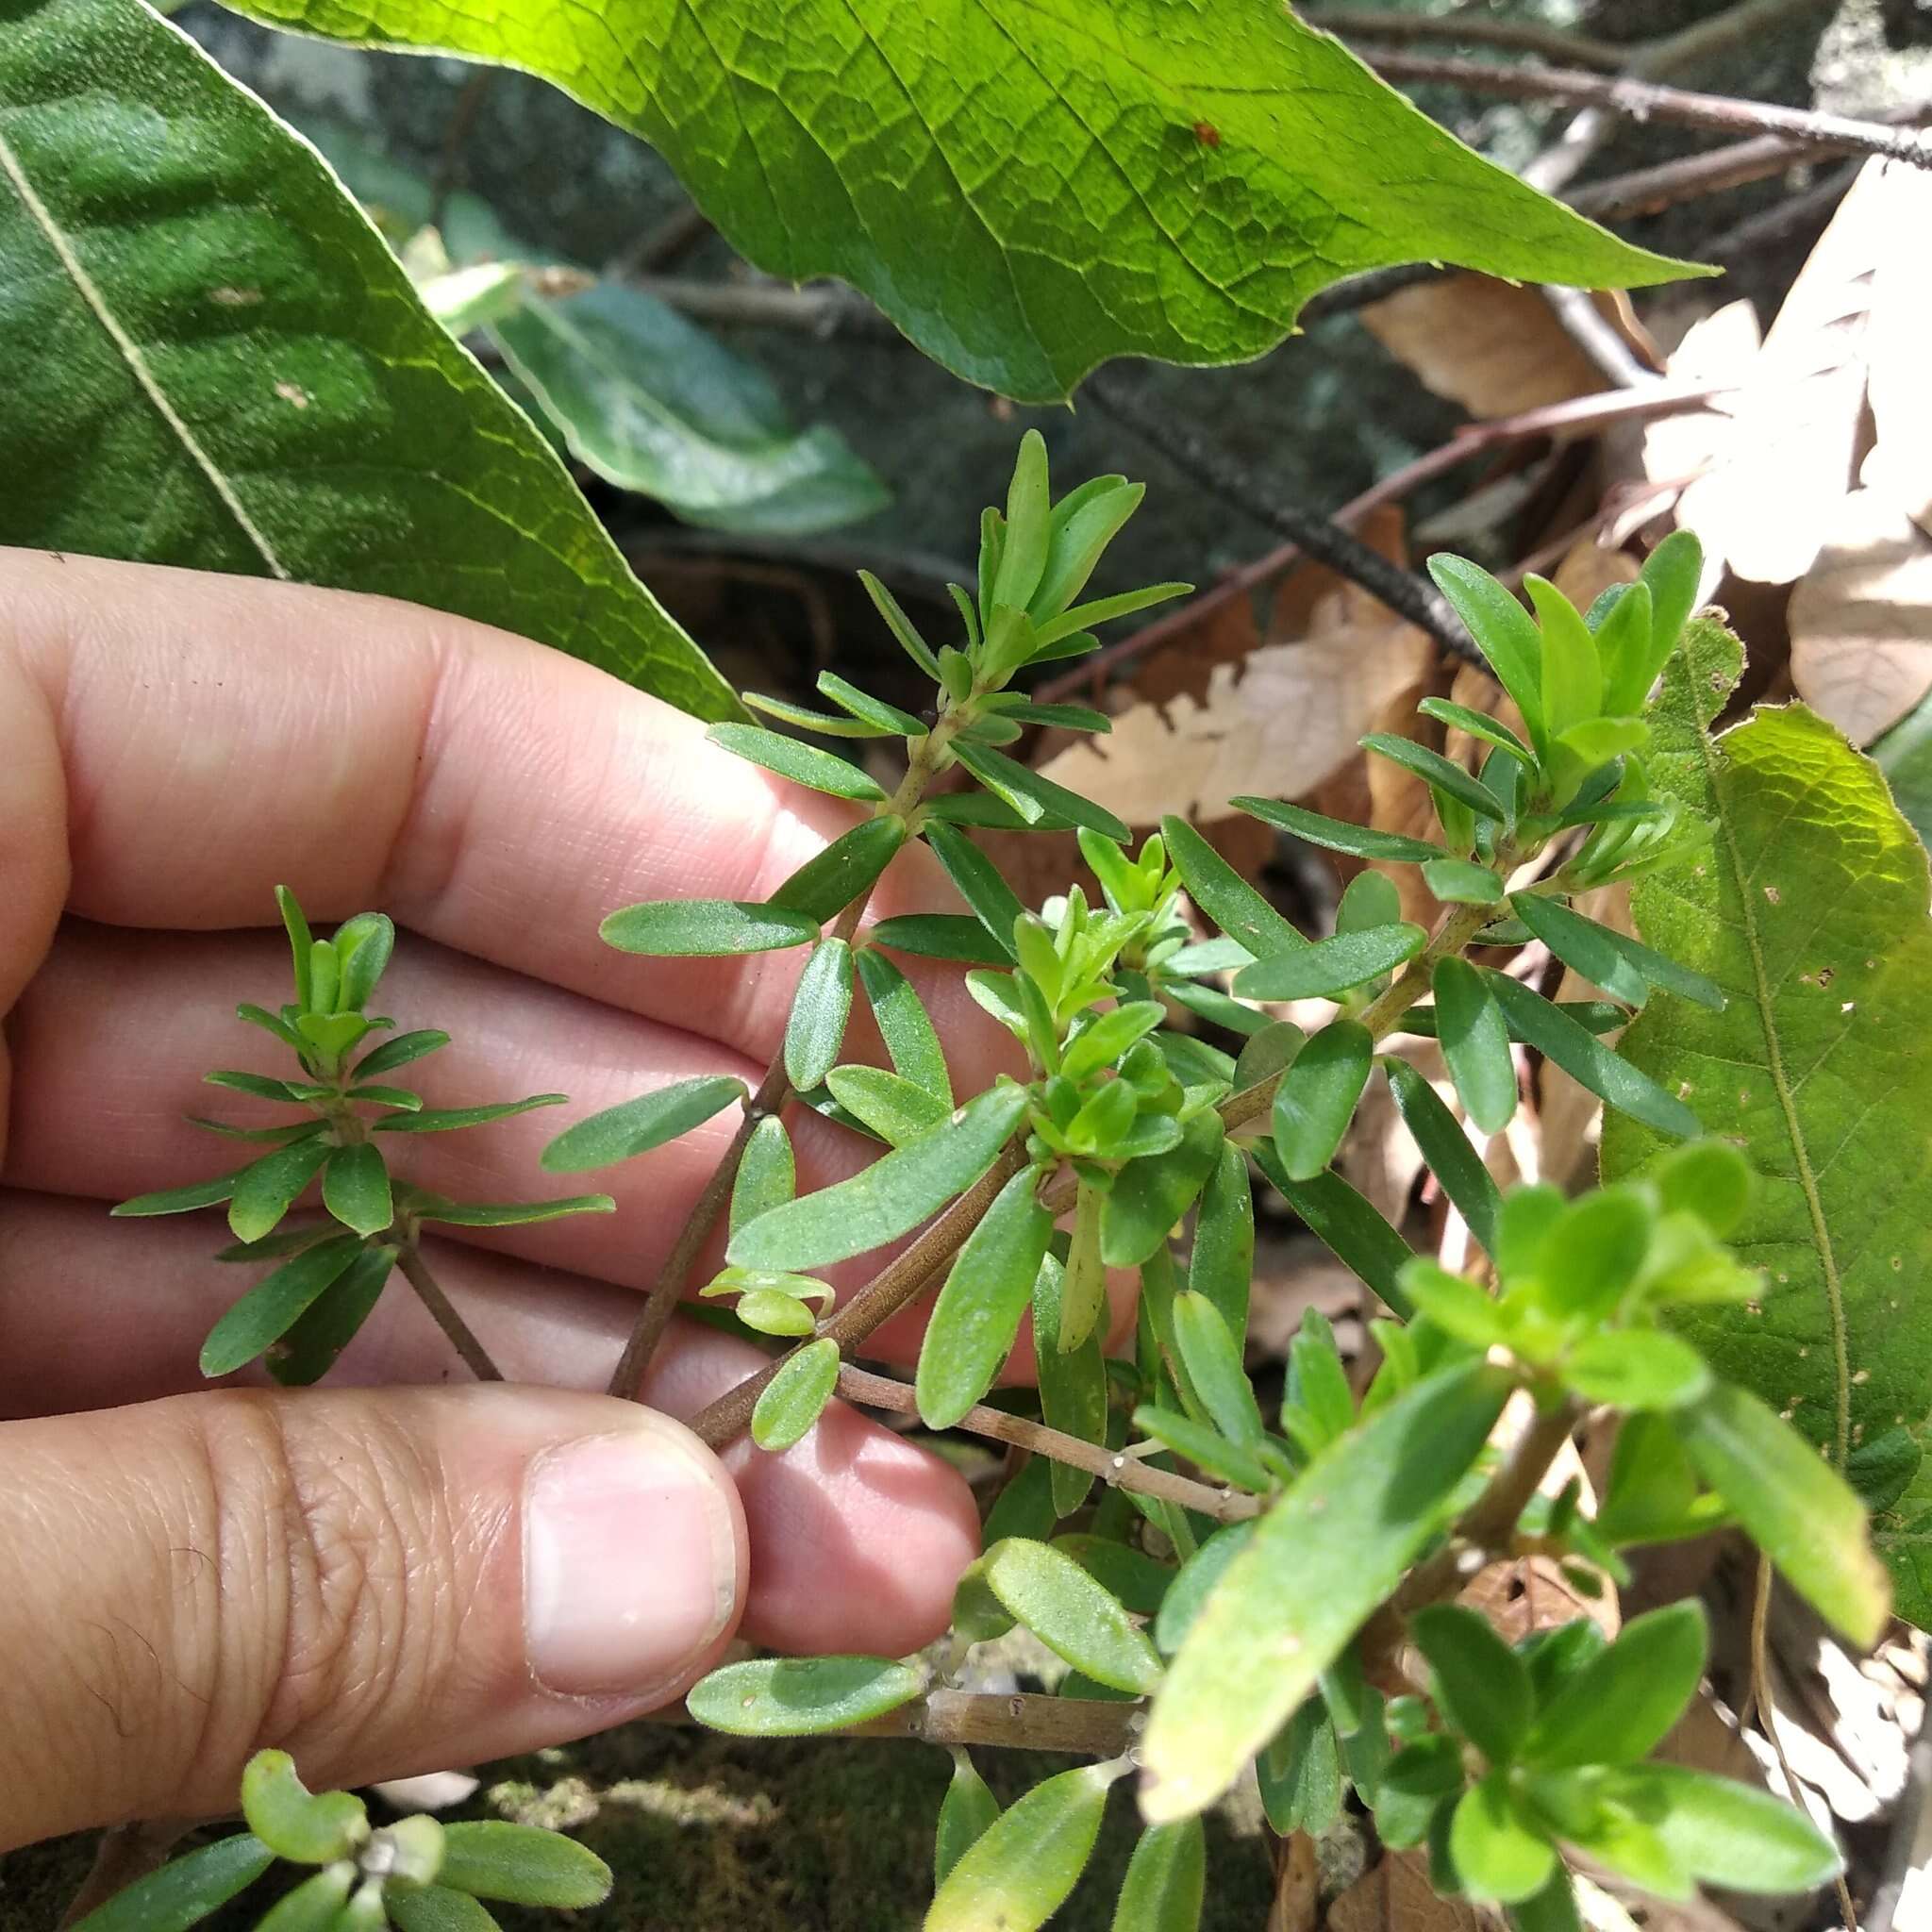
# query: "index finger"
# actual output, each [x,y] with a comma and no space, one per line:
[219,735]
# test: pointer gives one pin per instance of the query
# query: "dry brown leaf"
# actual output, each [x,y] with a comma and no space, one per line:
[1278,724]
[1861,620]
[1494,348]
[1799,427]
[1721,347]
[1396,1896]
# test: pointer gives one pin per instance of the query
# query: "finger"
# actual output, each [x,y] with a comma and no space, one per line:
[857,1535]
[381,1584]
[488,792]
[112,1043]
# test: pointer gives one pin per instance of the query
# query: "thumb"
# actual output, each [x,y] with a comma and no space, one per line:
[380,1582]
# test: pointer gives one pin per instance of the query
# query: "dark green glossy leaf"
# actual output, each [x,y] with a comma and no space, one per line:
[1348,1223]
[902,626]
[1338,835]
[911,1042]
[1481,1685]
[826,884]
[792,1697]
[183,1200]
[1223,896]
[1793,1504]
[1212,1357]
[1317,1097]
[399,1052]
[977,1314]
[942,935]
[184,1891]
[355,1189]
[270,1137]
[1223,1251]
[636,1126]
[980,884]
[867,709]
[820,1007]
[889,1198]
[826,724]
[1035,798]
[269,1309]
[804,764]
[789,1405]
[1317,1565]
[523,1865]
[1234,1462]
[1611,959]
[259,1085]
[331,1321]
[1476,1044]
[1440,774]
[1150,1196]
[1332,965]
[705,928]
[266,1189]
[1588,1061]
[512,1213]
[1456,1164]
[1479,725]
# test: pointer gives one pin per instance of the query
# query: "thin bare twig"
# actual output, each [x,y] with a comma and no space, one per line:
[429,1292]
[1647,100]
[1471,30]
[1123,1471]
[1014,1720]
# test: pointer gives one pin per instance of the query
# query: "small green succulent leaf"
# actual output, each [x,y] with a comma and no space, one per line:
[1622,967]
[827,882]
[1018,1872]
[705,928]
[890,1197]
[304,1827]
[1617,1708]
[1240,911]
[399,1052]
[966,1814]
[1167,1880]
[1348,1223]
[184,1199]
[1637,1368]
[184,1891]
[1074,1614]
[446,1120]
[1338,835]
[265,1190]
[1316,1566]
[804,764]
[1482,1687]
[815,1030]
[1300,1772]
[794,1697]
[315,1905]
[1333,965]
[1500,1854]
[1504,631]
[912,1042]
[980,884]
[356,1189]
[436,1908]
[637,1127]
[1149,1195]
[1212,1358]
[1317,1097]
[1475,1044]
[1073,1385]
[521,1865]
[790,1404]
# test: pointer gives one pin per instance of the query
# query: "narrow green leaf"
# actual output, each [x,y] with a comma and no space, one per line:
[375,1095]
[1223,1252]
[1206,1446]
[1479,725]
[1072,1386]
[1195,1582]
[1456,1164]
[1064,717]
[1618,1708]
[1317,1097]
[436,1908]
[1317,1564]
[1034,797]
[444,1120]
[1213,1361]
[265,1190]
[196,1195]
[1499,1855]
[704,928]
[1150,1196]
[911,1042]
[1481,1685]
[791,1402]
[636,1126]
[1299,1773]
[888,1198]
[767,1173]
[355,1189]
[804,764]
[1588,1061]
[1796,1509]
[1626,648]
[259,1085]
[1083,1285]
[399,1052]
[1637,1368]
[902,626]
[523,1865]
[892,1108]
[1610,960]
[1573,685]
[271,1137]
[1457,882]
[1107,1036]
[1726,1833]
[272,1023]
[1088,617]
[815,1031]
[272,1306]
[1476,1044]
[242,391]
[304,1827]
[1166,1881]
[512,1213]
[301,944]
[1504,631]
[826,884]
[826,724]
[1072,1613]
[331,1321]
[980,884]
[972,808]
[1332,965]
[943,935]
[1338,835]
[1348,1223]
[792,1697]
[977,1314]
[184,1891]
[315,1905]
[1020,1872]
[966,1814]
[867,709]
[1442,774]
[1223,896]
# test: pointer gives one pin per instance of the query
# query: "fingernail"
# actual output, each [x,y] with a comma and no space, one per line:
[630,1563]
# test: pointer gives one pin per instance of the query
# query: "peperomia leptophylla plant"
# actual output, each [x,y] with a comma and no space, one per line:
[417,1874]
[330,1271]
[1267,1592]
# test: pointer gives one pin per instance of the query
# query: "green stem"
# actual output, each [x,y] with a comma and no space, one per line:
[429,1292]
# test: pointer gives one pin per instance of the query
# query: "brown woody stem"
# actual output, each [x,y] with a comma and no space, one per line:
[1123,1471]
[429,1292]
[1018,1721]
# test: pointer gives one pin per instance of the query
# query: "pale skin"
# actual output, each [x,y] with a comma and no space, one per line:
[355,1573]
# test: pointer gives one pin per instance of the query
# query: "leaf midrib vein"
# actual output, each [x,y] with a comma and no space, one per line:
[1807,1181]
[129,352]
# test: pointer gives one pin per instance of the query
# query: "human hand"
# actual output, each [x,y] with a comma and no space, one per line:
[382,1580]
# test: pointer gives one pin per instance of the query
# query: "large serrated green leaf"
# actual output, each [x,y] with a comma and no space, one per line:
[1810,911]
[213,360]
[1028,190]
